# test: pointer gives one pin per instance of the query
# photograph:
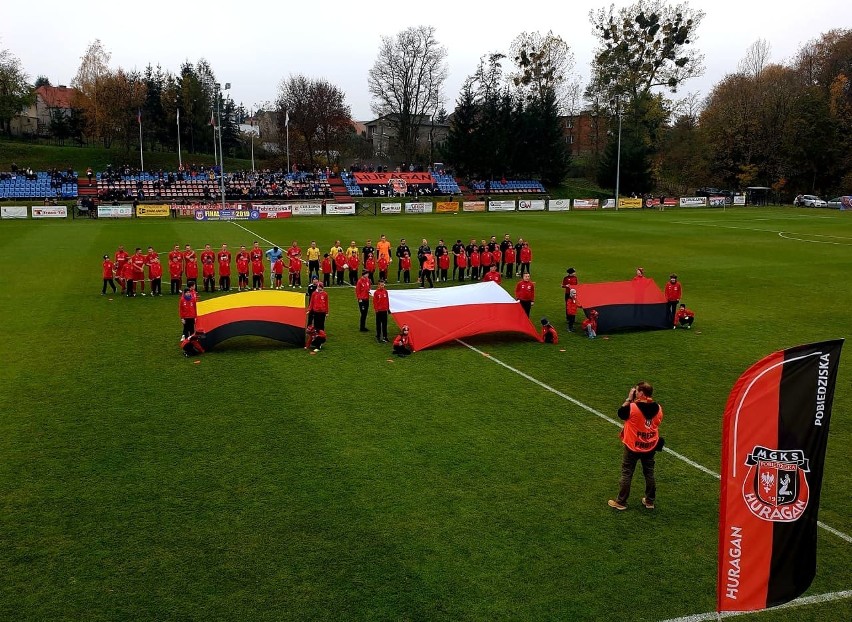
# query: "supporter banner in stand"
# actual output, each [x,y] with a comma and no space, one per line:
[418,208]
[366,179]
[693,201]
[340,209]
[391,208]
[629,203]
[739,199]
[534,205]
[306,209]
[716,201]
[53,211]
[447,207]
[559,205]
[226,214]
[501,206]
[13,211]
[587,203]
[153,211]
[115,211]
[274,211]
[774,437]
[473,206]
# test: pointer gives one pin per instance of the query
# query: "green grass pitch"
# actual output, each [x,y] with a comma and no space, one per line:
[268,483]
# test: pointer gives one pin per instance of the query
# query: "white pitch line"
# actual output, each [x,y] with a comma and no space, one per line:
[776,231]
[235,223]
[799,602]
[617,423]
[790,237]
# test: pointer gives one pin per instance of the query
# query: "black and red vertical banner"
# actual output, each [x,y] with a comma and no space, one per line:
[773,450]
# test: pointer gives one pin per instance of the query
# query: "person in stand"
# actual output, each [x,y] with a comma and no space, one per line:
[673,293]
[571,307]
[401,251]
[175,275]
[370,267]
[352,262]
[381,305]
[526,258]
[325,267]
[224,259]
[590,324]
[313,257]
[525,293]
[318,306]
[208,269]
[569,282]
[494,275]
[427,270]
[108,273]
[257,273]
[475,260]
[242,271]
[314,338]
[362,296]
[383,264]
[278,273]
[296,271]
[402,342]
[548,332]
[187,312]
[443,266]
[155,273]
[684,317]
[340,266]
[641,439]
[461,263]
[405,267]
[509,261]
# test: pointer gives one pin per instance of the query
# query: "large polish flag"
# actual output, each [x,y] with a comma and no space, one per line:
[435,316]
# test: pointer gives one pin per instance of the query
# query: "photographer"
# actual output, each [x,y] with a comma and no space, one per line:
[641,439]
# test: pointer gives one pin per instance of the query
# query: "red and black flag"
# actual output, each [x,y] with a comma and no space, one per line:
[773,449]
[625,304]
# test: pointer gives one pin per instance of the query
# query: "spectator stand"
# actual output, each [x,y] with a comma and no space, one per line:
[28,184]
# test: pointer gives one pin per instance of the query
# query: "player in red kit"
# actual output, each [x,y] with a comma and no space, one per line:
[296,271]
[381,305]
[340,265]
[187,312]
[256,252]
[108,268]
[673,292]
[242,271]
[383,263]
[443,266]
[525,293]
[176,253]
[353,262]
[190,265]
[405,266]
[526,257]
[149,257]
[318,307]
[278,271]
[175,274]
[208,269]
[509,261]
[224,259]
[370,267]
[325,267]
[137,264]
[257,273]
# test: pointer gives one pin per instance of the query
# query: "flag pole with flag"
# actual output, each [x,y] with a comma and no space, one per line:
[774,439]
[141,157]
[180,160]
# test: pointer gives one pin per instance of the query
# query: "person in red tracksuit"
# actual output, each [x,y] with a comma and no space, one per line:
[224,259]
[525,293]
[370,267]
[548,332]
[569,282]
[402,342]
[590,324]
[108,274]
[155,272]
[475,260]
[526,258]
[340,266]
[278,271]
[494,275]
[405,266]
[381,305]
[509,261]
[383,264]
[362,295]
[684,317]
[208,269]
[641,439]
[571,307]
[187,312]
[325,266]
[443,266]
[353,262]
[318,306]
[242,271]
[314,339]
[190,265]
[137,264]
[673,292]
[295,270]
[175,274]
[485,259]
[257,273]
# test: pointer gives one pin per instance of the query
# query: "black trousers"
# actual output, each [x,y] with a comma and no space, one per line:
[671,310]
[381,324]
[526,305]
[363,307]
[353,277]
[406,275]
[188,326]
[130,287]
[175,286]
[157,286]
[257,281]
[109,282]
[224,283]
[525,267]
[628,466]
[319,320]
[326,279]
[510,270]
[313,268]
[571,319]
[686,321]
[209,284]
[340,277]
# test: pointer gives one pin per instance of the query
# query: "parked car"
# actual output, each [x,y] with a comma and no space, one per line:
[809,200]
[844,202]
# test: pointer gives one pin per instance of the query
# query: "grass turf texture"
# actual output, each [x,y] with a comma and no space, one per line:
[268,483]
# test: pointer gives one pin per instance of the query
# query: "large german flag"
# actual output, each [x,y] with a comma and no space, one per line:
[273,314]
[773,451]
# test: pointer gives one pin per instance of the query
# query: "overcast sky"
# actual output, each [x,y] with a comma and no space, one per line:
[254,46]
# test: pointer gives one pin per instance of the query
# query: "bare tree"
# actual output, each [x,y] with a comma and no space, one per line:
[756,58]
[544,62]
[406,83]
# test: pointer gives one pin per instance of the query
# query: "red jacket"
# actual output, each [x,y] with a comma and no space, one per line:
[109,269]
[381,300]
[571,306]
[405,263]
[590,322]
[525,290]
[526,254]
[461,260]
[257,266]
[242,265]
[340,261]
[683,314]
[319,302]
[569,282]
[186,308]
[474,259]
[402,340]
[509,256]
[673,291]
[383,263]
[224,263]
[208,257]
[353,262]
[496,255]
[486,258]
[493,275]
[208,269]
[155,270]
[444,262]
[549,334]
[138,263]
[175,269]
[121,258]
[295,265]
[362,288]
[326,266]
[278,266]
[370,264]
[191,270]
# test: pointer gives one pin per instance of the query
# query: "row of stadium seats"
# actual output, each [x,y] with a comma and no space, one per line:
[528,186]
[446,184]
[17,186]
